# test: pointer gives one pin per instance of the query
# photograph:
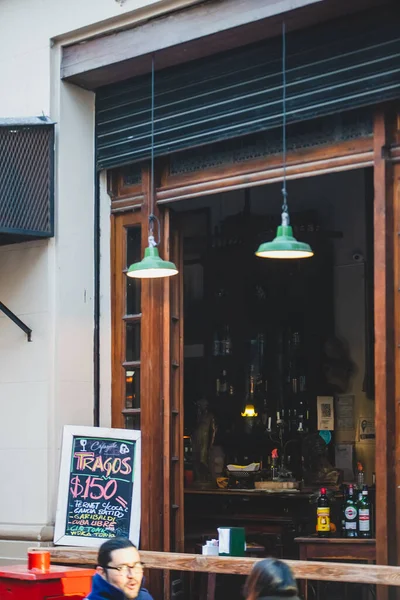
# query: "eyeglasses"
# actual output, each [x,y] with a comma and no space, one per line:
[126,569]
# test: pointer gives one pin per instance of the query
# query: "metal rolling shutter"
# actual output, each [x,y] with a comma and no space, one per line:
[334,67]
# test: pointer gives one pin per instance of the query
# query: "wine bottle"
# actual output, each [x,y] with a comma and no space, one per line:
[350,514]
[364,514]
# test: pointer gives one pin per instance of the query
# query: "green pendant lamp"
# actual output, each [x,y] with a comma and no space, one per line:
[284,246]
[152,266]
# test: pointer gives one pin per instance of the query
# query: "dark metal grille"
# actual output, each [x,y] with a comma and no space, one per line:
[308,134]
[26,181]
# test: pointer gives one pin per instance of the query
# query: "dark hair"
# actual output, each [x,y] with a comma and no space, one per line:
[117,543]
[270,577]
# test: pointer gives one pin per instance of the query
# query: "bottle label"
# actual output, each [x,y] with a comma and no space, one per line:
[363,519]
[323,519]
[350,513]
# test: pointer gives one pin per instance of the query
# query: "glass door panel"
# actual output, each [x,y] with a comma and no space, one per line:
[127,317]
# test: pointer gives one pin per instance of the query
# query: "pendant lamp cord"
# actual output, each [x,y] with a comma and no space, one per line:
[285,210]
[152,216]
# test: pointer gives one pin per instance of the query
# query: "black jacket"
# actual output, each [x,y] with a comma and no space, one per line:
[102,590]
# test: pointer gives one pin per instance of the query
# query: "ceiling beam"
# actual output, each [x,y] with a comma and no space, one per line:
[195,32]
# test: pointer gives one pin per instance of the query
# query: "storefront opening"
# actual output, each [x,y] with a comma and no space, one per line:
[280,336]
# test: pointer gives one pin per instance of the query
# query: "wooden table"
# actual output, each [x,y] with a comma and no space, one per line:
[335,548]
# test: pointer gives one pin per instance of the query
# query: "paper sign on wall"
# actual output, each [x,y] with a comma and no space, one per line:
[344,460]
[325,413]
[366,430]
[345,412]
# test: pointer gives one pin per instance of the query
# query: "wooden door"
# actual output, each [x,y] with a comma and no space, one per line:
[137,347]
[147,376]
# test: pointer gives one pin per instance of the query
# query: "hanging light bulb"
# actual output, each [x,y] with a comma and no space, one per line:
[285,244]
[152,266]
[249,411]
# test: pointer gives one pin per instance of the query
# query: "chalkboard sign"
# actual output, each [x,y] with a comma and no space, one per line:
[99,487]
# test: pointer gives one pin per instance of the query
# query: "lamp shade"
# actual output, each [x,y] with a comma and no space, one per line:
[152,266]
[284,246]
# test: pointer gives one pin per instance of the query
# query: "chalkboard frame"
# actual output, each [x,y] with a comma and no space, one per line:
[69,433]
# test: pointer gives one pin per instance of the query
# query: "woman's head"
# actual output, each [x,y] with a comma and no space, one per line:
[270,577]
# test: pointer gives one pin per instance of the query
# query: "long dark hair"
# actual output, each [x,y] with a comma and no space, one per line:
[270,577]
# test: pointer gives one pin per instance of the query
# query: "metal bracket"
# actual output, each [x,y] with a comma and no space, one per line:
[16,320]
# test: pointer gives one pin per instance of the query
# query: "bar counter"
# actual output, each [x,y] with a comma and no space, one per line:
[272,518]
[304,493]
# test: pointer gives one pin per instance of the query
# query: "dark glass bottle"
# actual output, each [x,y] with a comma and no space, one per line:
[216,347]
[264,406]
[350,514]
[364,514]
[222,385]
[227,342]
[323,515]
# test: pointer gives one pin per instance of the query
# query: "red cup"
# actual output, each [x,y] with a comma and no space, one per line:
[39,560]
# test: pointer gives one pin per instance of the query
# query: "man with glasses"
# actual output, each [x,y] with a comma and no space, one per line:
[119,573]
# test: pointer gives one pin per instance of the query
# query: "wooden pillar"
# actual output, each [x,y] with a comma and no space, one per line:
[385,240]
[151,536]
[162,400]
[395,191]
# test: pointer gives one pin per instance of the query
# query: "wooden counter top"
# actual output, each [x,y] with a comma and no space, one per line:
[334,540]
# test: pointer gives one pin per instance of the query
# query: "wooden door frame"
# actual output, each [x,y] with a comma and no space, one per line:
[123,202]
[382,152]
[387,334]
[305,162]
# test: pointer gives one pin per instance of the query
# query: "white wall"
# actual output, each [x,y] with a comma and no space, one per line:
[27,32]
[49,284]
[24,385]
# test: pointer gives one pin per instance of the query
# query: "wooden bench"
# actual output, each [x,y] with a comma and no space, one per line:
[380,575]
